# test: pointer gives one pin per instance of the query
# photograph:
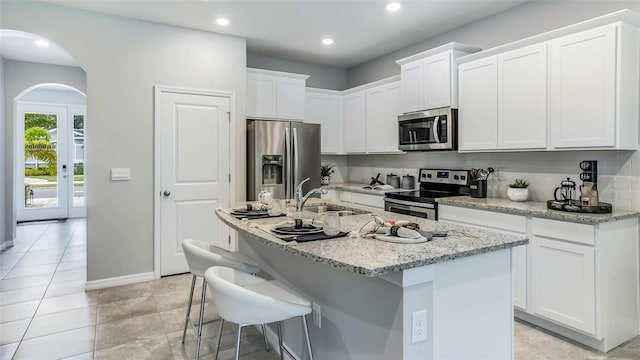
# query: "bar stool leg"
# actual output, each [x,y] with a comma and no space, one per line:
[306,334]
[280,340]
[186,319]
[238,342]
[219,337]
[264,334]
[200,321]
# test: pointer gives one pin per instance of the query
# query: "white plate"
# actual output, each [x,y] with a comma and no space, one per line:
[399,240]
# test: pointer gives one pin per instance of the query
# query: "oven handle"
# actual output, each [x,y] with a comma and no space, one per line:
[409,203]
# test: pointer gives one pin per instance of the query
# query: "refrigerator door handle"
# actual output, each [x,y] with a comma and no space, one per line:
[295,157]
[287,183]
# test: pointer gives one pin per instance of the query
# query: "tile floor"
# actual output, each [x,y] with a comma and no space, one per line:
[46,314]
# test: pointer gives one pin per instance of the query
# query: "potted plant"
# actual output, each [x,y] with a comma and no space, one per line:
[325,174]
[518,190]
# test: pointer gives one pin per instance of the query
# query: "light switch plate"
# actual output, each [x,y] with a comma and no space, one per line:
[120,174]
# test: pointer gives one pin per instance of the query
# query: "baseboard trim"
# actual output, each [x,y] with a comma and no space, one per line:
[119,280]
[7,244]
[272,338]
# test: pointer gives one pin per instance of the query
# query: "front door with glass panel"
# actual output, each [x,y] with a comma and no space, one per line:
[46,161]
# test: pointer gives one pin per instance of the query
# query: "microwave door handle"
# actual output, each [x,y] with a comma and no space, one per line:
[435,127]
[412,137]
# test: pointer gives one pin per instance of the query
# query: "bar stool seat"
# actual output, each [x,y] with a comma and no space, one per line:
[250,300]
[201,256]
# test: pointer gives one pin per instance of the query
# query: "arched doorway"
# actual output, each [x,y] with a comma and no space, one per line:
[49,162]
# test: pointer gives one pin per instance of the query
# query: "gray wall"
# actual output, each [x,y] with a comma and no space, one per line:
[19,76]
[124,59]
[4,206]
[526,20]
[321,76]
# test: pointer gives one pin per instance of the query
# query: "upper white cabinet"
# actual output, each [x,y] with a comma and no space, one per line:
[275,95]
[477,116]
[382,110]
[324,107]
[522,98]
[583,89]
[573,88]
[355,122]
[428,79]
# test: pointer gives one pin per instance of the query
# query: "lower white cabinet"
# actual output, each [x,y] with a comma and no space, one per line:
[374,201]
[563,282]
[578,280]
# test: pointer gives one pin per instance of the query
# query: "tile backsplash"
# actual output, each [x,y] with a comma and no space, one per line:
[618,171]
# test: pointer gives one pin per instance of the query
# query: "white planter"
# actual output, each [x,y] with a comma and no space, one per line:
[325,180]
[518,194]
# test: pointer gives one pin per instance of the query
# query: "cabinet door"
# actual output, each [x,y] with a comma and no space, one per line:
[519,276]
[478,117]
[355,124]
[437,81]
[522,98]
[290,98]
[583,80]
[376,119]
[393,110]
[412,85]
[261,96]
[324,109]
[563,282]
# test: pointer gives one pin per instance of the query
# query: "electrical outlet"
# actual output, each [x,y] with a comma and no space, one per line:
[501,176]
[419,326]
[316,315]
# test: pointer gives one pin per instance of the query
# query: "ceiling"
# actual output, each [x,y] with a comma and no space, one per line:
[18,45]
[293,30]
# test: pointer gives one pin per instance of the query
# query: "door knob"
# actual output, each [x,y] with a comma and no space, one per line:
[166,193]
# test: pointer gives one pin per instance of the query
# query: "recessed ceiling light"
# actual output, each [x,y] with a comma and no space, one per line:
[222,21]
[327,41]
[41,43]
[393,7]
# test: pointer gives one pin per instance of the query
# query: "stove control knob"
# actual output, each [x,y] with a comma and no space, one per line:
[456,177]
[429,176]
[424,175]
[463,177]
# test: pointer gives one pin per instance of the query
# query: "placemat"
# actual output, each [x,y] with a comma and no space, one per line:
[309,237]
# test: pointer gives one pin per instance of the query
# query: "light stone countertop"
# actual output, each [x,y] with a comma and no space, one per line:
[372,257]
[535,209]
[356,187]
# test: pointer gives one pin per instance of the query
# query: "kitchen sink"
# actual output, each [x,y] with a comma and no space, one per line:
[341,210]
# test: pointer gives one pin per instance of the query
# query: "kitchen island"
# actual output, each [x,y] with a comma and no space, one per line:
[371,292]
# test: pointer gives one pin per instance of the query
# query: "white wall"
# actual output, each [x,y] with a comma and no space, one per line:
[124,59]
[320,76]
[67,97]
[4,208]
[531,18]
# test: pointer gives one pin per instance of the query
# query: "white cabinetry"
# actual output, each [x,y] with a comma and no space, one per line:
[478,113]
[583,86]
[355,122]
[324,107]
[573,88]
[371,200]
[578,280]
[382,110]
[428,79]
[275,95]
[507,223]
[522,98]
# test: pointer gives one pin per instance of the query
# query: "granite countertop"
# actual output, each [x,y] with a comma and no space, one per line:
[355,187]
[535,209]
[372,257]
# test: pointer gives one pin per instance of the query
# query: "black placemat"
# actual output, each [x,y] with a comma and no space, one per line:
[310,237]
[254,216]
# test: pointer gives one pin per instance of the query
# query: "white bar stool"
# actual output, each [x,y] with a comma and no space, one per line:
[201,256]
[250,300]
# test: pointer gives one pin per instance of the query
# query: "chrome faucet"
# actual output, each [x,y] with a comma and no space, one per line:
[301,199]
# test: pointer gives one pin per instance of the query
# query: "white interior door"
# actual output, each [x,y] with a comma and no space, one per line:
[194,161]
[42,167]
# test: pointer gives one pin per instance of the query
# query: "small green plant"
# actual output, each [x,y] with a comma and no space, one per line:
[326,170]
[519,184]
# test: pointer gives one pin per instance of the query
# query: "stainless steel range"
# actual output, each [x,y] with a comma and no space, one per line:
[434,183]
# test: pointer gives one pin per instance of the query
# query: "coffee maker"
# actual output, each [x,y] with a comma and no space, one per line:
[584,199]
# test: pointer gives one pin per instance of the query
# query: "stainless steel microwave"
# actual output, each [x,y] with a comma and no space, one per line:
[428,130]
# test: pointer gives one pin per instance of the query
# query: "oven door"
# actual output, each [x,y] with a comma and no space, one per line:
[417,209]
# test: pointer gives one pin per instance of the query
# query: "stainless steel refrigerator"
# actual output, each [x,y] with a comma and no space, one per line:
[280,154]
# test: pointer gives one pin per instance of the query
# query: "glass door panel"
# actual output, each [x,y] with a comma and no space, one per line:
[77,187]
